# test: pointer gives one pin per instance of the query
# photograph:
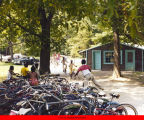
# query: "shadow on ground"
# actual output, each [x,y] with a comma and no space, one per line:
[137,77]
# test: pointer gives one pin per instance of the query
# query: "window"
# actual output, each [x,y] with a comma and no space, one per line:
[109,57]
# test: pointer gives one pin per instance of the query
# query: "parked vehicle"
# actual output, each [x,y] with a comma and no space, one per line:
[6,58]
[18,55]
[22,61]
[1,56]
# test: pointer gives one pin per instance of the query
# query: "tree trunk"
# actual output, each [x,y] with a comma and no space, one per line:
[11,49]
[7,51]
[45,49]
[44,59]
[116,68]
[45,39]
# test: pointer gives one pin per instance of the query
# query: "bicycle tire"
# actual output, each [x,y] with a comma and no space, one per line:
[72,109]
[110,111]
[120,110]
[131,107]
[114,108]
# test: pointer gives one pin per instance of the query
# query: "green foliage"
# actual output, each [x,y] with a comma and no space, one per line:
[80,34]
[76,24]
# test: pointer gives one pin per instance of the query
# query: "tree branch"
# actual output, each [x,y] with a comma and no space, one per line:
[27,30]
[128,36]
[140,35]
[24,28]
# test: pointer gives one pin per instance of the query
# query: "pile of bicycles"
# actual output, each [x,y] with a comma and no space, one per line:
[56,96]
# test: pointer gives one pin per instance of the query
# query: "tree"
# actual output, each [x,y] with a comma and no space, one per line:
[135,26]
[79,36]
[114,15]
[35,17]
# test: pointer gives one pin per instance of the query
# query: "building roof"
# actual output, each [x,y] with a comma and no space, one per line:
[135,45]
[126,44]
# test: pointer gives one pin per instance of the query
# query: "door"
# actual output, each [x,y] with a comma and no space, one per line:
[130,60]
[97,59]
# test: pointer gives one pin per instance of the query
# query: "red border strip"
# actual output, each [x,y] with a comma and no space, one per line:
[65,117]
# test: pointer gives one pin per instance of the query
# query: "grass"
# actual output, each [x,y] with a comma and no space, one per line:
[4,67]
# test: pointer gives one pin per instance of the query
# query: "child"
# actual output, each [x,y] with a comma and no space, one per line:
[54,58]
[64,64]
[33,77]
[71,67]
[25,71]
[36,69]
[58,58]
[11,73]
[86,70]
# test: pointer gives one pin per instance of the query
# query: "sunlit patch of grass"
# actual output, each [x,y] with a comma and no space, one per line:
[5,64]
[2,78]
[4,67]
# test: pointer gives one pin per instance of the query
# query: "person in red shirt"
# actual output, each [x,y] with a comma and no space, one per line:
[86,70]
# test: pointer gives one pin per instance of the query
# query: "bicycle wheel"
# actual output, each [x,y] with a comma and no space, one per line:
[131,110]
[73,109]
[3,101]
[51,110]
[120,110]
[110,111]
[111,108]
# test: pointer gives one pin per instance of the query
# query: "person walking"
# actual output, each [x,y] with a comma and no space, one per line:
[86,70]
[71,67]
[64,64]
[58,58]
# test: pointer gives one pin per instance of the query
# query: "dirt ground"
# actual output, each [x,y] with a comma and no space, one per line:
[130,77]
[130,87]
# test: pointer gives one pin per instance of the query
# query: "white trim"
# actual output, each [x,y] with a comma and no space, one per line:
[133,46]
[121,56]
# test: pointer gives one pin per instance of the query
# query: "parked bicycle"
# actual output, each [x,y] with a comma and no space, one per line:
[56,96]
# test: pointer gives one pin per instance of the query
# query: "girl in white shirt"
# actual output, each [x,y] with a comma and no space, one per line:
[10,73]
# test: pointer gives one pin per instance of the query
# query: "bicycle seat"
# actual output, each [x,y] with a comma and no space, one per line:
[114,95]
